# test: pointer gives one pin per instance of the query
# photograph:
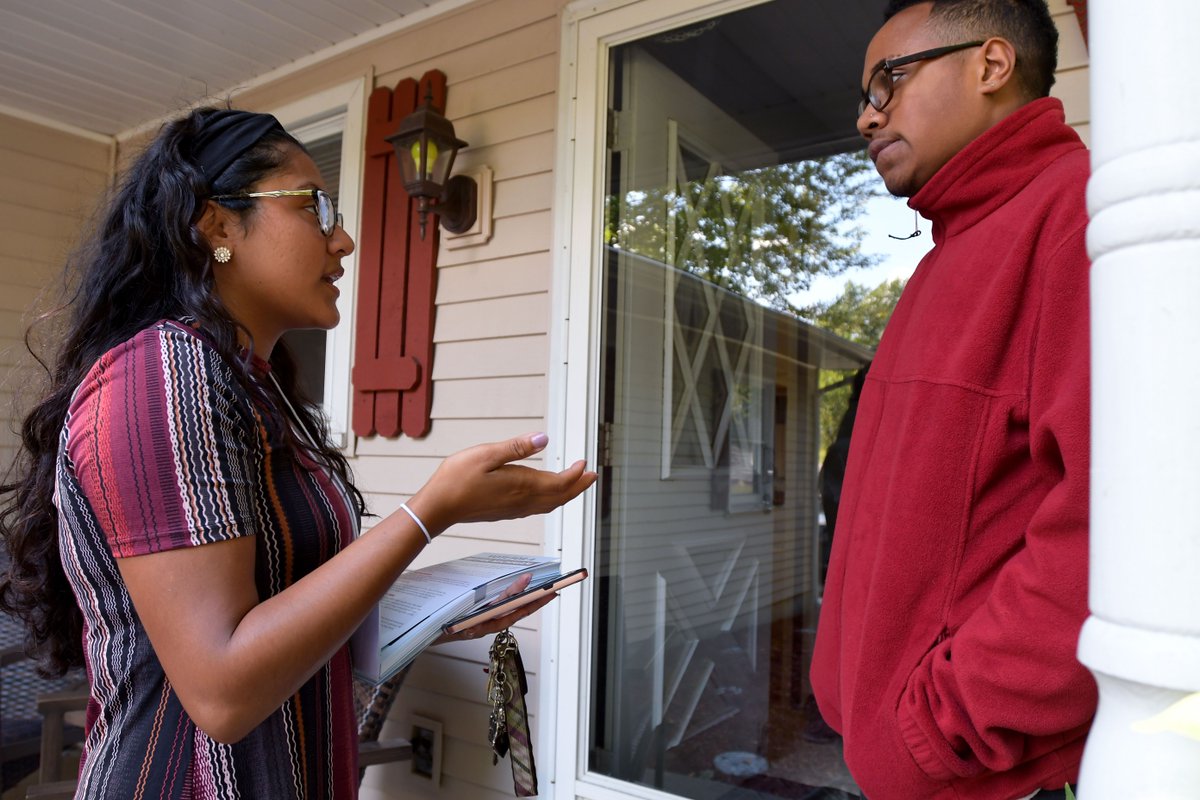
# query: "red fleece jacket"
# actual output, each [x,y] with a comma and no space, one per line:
[957,586]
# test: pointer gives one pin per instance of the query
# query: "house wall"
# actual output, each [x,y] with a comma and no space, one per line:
[50,181]
[1071,80]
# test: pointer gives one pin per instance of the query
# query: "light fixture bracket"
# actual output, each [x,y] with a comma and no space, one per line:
[426,146]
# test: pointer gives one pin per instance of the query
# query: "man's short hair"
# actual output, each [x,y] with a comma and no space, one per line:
[1024,23]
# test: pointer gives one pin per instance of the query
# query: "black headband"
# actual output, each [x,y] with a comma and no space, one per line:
[225,134]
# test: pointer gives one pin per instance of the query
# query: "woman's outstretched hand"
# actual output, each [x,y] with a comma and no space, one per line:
[481,484]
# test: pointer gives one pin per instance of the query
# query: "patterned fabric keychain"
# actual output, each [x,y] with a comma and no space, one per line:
[508,725]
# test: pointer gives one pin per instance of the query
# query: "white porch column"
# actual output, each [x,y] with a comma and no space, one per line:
[1143,638]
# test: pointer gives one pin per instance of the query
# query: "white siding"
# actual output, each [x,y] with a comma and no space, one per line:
[491,353]
[1071,80]
[50,182]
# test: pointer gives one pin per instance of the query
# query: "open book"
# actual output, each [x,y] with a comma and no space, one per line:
[423,602]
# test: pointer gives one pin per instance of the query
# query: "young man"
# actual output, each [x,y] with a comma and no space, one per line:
[945,654]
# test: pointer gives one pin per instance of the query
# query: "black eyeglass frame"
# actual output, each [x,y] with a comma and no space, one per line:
[888,64]
[328,217]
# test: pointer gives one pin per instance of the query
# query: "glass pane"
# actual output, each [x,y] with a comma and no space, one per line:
[308,347]
[742,297]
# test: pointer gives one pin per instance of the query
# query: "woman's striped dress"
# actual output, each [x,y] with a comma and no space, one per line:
[163,448]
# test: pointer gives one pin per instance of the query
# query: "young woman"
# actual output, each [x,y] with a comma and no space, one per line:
[179,523]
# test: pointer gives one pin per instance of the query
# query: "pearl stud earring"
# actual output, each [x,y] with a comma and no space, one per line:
[222,254]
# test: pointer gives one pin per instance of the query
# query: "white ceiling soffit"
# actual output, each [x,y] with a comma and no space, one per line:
[107,66]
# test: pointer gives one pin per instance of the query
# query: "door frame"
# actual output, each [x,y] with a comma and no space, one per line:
[590,28]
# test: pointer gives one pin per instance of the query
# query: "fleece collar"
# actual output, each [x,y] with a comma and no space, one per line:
[991,170]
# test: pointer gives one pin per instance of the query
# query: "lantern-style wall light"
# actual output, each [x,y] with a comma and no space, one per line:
[425,147]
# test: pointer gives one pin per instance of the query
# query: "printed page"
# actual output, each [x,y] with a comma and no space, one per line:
[422,592]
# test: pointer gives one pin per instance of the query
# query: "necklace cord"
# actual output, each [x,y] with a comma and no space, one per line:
[312,440]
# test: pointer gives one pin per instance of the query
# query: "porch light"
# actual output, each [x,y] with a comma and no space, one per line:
[425,147]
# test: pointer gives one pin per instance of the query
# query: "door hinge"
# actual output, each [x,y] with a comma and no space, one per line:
[604,446]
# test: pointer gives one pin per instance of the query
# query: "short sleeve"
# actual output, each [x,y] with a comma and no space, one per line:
[164,445]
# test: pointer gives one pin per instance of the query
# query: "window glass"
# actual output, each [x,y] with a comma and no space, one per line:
[308,346]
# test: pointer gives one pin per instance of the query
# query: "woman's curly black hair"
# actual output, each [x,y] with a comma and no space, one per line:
[145,261]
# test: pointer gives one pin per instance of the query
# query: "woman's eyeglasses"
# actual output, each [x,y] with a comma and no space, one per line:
[327,214]
[880,87]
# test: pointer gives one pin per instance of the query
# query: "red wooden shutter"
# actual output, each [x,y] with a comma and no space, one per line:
[393,351]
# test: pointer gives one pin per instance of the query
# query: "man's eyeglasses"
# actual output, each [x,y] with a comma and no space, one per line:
[327,214]
[880,87]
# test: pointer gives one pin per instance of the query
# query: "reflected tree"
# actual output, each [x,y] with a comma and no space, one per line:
[763,233]
[859,314]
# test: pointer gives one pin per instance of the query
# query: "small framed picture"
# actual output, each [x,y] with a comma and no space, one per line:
[426,742]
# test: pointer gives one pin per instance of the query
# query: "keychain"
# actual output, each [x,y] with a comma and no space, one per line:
[499,692]
[508,724]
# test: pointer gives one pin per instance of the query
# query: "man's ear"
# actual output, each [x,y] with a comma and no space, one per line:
[997,66]
[217,224]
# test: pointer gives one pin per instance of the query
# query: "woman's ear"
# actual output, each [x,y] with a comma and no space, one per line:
[998,66]
[217,224]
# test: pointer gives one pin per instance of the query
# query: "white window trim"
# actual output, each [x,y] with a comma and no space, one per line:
[340,108]
[590,29]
